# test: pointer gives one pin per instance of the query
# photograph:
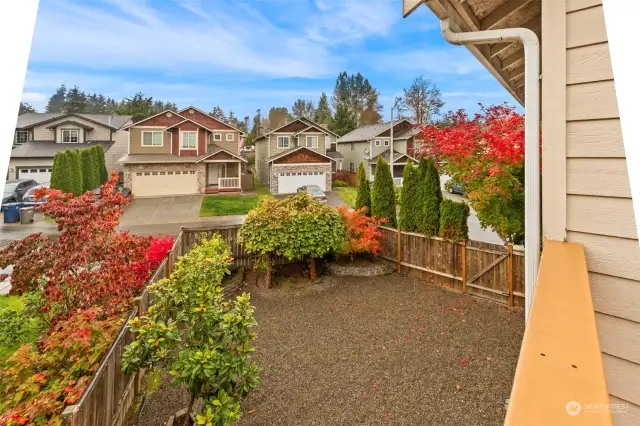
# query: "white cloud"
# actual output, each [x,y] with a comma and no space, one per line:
[442,61]
[119,34]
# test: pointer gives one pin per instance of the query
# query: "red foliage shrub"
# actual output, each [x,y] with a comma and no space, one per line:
[154,256]
[341,175]
[363,235]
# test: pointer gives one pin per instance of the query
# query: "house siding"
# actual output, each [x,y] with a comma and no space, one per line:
[99,133]
[135,142]
[119,148]
[599,211]
[16,163]
[262,167]
[355,156]
[231,146]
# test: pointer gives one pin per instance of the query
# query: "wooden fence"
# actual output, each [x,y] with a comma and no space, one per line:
[111,392]
[482,269]
[350,177]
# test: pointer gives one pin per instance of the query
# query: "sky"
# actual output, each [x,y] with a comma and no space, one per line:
[245,55]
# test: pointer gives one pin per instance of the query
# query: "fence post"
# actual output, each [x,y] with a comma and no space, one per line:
[510,275]
[182,232]
[68,416]
[399,249]
[464,266]
[167,265]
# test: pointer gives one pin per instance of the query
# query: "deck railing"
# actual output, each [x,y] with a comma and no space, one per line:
[229,182]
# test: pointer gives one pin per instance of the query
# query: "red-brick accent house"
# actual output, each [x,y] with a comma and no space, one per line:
[181,153]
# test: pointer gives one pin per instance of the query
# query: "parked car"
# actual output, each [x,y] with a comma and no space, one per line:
[455,189]
[315,192]
[29,198]
[15,189]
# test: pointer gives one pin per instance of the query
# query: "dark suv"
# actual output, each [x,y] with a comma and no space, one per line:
[14,190]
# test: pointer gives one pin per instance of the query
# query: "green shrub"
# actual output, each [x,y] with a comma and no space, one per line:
[363,197]
[453,220]
[102,167]
[407,197]
[62,170]
[76,172]
[383,196]
[431,198]
[54,181]
[339,184]
[89,170]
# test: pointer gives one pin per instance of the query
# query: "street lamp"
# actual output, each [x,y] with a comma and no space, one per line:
[397,104]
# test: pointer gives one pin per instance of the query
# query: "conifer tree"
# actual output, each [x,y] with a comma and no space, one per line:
[363,197]
[76,182]
[408,211]
[383,200]
[430,201]
[104,175]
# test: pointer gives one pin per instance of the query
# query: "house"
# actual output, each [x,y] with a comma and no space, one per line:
[39,136]
[298,153]
[367,143]
[182,153]
[588,222]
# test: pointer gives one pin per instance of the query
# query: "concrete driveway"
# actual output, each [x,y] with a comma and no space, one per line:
[161,210]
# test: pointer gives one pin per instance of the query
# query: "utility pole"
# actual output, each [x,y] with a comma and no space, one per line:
[396,104]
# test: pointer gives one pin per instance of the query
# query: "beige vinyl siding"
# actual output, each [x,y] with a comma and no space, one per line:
[261,160]
[355,156]
[302,141]
[135,142]
[231,146]
[41,133]
[118,149]
[273,143]
[14,163]
[99,133]
[599,206]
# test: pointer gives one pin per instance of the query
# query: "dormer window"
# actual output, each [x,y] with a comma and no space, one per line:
[22,136]
[70,136]
[217,137]
[386,142]
[229,137]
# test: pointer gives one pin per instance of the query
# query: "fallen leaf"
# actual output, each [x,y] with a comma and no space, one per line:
[421,325]
[464,361]
[458,387]
[452,309]
[251,411]
[489,358]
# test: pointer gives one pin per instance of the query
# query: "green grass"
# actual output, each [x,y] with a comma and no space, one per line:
[348,195]
[223,205]
[29,333]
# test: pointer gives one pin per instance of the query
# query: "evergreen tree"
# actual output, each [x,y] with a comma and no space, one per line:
[323,112]
[90,177]
[102,167]
[303,108]
[54,181]
[76,180]
[95,159]
[139,106]
[363,197]
[383,198]
[25,107]
[218,114]
[343,121]
[408,209]
[359,96]
[64,166]
[430,201]
[75,101]
[57,100]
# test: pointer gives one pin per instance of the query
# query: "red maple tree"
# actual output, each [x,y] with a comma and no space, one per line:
[363,235]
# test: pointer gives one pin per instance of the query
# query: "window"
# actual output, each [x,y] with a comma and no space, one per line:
[377,143]
[352,147]
[283,141]
[188,140]
[386,142]
[352,167]
[229,137]
[70,135]
[217,137]
[22,136]
[312,141]
[151,138]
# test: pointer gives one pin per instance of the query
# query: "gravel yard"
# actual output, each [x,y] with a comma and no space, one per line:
[379,350]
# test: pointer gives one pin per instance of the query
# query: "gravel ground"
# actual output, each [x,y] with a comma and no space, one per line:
[379,350]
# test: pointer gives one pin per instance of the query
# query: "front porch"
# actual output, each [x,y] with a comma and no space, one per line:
[223,172]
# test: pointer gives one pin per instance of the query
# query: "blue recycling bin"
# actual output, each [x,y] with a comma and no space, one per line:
[12,212]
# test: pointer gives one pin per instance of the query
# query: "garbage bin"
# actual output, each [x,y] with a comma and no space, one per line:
[26,215]
[12,212]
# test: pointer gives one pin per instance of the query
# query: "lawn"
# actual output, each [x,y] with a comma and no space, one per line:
[29,332]
[223,205]
[375,351]
[348,195]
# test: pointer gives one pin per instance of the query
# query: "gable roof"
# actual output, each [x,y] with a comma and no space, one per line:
[369,131]
[292,150]
[32,119]
[216,150]
[188,119]
[396,156]
[304,120]
[213,118]
[47,149]
[75,123]
[318,128]
[153,116]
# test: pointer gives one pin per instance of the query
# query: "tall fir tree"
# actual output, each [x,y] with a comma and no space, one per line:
[96,166]
[57,100]
[323,112]
[89,175]
[343,121]
[64,165]
[76,181]
[54,181]
[407,220]
[75,101]
[430,202]
[102,167]
[383,197]
[363,196]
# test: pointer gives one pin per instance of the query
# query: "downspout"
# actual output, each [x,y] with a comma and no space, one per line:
[531,136]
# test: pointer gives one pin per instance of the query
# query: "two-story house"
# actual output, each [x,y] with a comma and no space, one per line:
[181,153]
[299,153]
[39,136]
[369,142]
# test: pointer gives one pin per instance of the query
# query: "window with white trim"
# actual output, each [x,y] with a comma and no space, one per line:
[217,137]
[352,167]
[229,137]
[70,135]
[352,146]
[377,142]
[386,142]
[22,136]
[283,141]
[312,141]
[188,140]
[151,138]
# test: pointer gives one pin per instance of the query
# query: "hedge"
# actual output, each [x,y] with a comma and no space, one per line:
[454,220]
[363,197]
[383,199]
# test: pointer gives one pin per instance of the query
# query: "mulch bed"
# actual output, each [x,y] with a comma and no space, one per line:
[376,350]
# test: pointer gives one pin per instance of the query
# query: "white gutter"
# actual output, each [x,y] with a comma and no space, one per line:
[531,138]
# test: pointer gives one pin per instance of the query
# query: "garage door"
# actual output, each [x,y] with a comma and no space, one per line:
[149,184]
[39,174]
[289,183]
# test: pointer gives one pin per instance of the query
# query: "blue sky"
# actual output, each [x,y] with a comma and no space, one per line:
[245,55]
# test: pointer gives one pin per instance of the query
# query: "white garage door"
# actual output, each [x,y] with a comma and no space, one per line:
[289,183]
[39,174]
[161,183]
